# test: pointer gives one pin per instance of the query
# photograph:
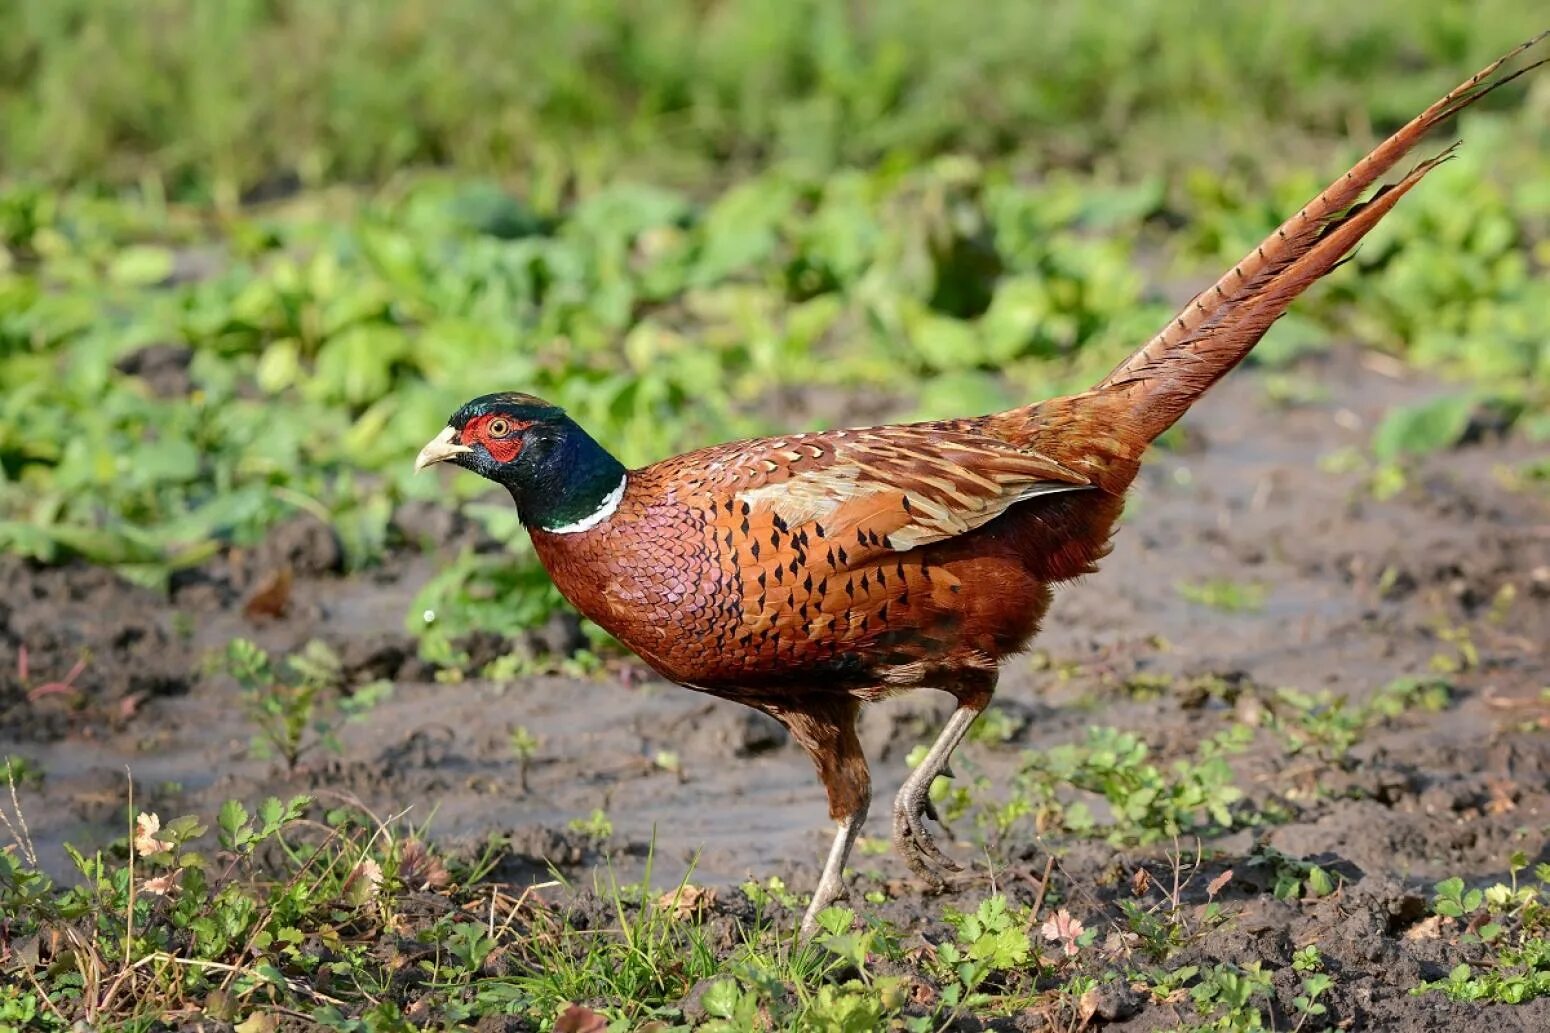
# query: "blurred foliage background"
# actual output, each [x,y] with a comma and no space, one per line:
[253,252]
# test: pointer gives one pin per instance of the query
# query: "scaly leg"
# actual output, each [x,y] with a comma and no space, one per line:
[831,886]
[913,804]
[826,727]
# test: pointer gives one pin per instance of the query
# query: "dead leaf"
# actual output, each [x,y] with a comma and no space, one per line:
[1065,930]
[576,1018]
[1501,800]
[145,842]
[363,882]
[1120,944]
[1087,1005]
[258,1022]
[271,598]
[686,901]
[1140,882]
[923,995]
[421,869]
[161,885]
[1218,884]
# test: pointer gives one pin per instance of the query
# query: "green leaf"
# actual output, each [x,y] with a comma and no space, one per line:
[232,821]
[141,265]
[272,813]
[720,999]
[1423,428]
[836,920]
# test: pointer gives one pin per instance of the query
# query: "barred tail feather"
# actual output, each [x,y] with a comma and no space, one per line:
[1159,382]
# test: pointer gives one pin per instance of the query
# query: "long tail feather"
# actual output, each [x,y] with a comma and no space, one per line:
[1159,382]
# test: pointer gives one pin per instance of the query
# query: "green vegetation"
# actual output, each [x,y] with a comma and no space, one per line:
[562,97]
[1293,878]
[1329,725]
[297,709]
[1224,595]
[20,771]
[524,747]
[1146,803]
[335,925]
[289,908]
[595,825]
[1508,924]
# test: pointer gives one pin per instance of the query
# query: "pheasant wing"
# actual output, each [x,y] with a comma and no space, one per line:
[888,488]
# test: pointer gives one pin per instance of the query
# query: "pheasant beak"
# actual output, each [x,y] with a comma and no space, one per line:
[440,448]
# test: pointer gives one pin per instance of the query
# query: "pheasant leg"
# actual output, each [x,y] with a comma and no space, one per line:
[913,804]
[831,886]
[826,728]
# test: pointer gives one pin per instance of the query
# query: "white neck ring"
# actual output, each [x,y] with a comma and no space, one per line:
[605,510]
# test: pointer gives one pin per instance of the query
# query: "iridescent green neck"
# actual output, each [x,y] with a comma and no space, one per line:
[565,482]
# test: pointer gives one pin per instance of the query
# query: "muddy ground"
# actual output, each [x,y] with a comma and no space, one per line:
[1356,592]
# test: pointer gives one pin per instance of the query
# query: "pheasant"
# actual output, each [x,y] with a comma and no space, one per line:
[806,574]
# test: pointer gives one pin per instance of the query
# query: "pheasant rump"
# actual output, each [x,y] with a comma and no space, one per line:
[807,574]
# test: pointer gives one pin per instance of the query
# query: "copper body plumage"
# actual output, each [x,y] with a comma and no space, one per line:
[807,574]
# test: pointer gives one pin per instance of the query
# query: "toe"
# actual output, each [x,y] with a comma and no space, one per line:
[927,844]
[919,849]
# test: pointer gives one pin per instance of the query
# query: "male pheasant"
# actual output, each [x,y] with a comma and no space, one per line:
[806,574]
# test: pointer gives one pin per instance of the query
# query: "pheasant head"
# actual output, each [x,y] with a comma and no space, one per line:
[560,478]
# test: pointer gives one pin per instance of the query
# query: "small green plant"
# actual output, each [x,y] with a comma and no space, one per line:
[1161,928]
[1293,878]
[772,891]
[1512,921]
[297,709]
[652,950]
[1308,959]
[997,726]
[1228,998]
[851,1006]
[1224,595]
[169,923]
[595,825]
[20,771]
[1147,803]
[1424,427]
[1459,652]
[524,747]
[514,666]
[1330,725]
[989,940]
[1315,984]
[18,1008]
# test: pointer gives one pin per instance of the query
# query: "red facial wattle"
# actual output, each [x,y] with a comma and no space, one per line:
[503,448]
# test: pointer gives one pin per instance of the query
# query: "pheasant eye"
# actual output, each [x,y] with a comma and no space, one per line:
[498,428]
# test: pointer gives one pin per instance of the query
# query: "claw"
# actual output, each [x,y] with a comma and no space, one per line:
[914,841]
[913,804]
[930,811]
[927,845]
